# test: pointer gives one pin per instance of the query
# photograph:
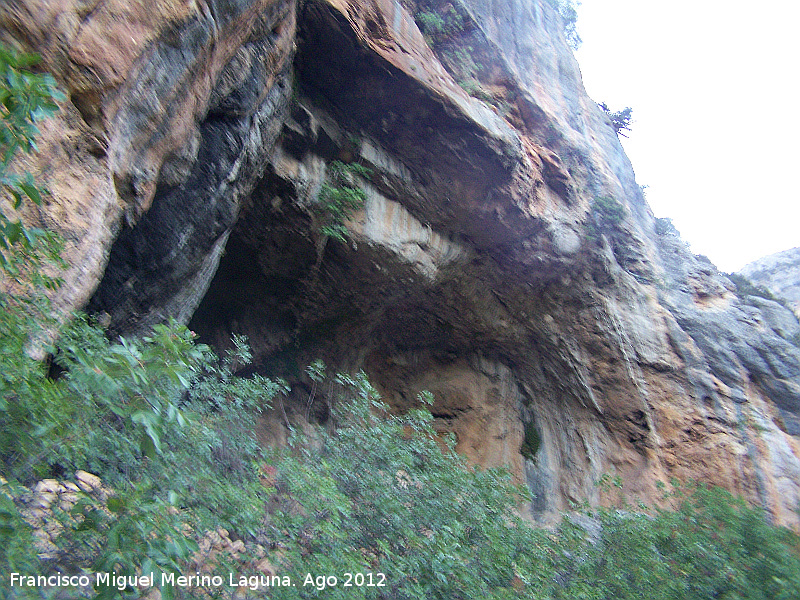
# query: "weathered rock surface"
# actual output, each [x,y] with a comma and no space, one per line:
[156,91]
[779,273]
[558,339]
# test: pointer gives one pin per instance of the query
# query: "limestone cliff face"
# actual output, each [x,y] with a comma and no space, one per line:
[505,258]
[175,100]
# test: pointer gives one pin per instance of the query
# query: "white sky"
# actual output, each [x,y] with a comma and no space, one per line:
[714,87]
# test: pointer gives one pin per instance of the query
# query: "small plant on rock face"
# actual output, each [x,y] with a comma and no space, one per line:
[531,442]
[340,197]
[438,27]
[568,10]
[606,216]
[430,23]
[26,98]
[744,289]
[620,120]
[664,226]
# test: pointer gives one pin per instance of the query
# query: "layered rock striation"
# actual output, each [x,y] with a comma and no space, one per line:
[504,257]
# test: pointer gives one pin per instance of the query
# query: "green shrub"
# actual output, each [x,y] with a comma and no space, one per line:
[466,70]
[609,211]
[161,421]
[713,546]
[379,495]
[340,197]
[430,22]
[29,404]
[605,216]
[25,99]
[438,27]
[17,549]
[664,226]
[745,287]
[138,382]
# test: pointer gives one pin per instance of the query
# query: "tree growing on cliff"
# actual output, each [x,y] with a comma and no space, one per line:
[620,120]
[568,10]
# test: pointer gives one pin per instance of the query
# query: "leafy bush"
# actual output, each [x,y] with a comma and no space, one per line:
[162,421]
[17,549]
[26,397]
[340,197]
[430,22]
[712,546]
[133,532]
[438,27]
[745,287]
[139,383]
[381,495]
[605,216]
[25,99]
[608,211]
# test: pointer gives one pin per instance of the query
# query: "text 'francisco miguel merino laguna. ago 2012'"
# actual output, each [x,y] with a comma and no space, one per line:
[197,580]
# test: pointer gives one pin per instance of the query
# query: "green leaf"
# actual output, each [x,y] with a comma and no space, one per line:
[167,592]
[116,504]
[43,429]
[32,192]
[148,566]
[148,446]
